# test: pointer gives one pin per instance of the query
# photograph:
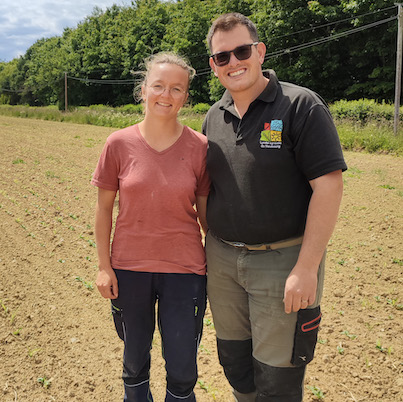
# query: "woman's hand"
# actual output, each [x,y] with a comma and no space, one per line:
[107,283]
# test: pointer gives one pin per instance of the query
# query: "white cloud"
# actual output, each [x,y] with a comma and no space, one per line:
[23,22]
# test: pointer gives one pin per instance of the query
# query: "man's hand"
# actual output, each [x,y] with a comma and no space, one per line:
[300,289]
[107,283]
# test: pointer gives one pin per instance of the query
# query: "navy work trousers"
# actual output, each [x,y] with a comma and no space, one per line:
[181,302]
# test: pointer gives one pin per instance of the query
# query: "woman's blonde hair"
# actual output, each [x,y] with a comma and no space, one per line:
[162,58]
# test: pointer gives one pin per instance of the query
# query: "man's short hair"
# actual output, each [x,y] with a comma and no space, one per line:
[227,22]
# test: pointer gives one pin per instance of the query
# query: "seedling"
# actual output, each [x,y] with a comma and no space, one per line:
[5,308]
[88,285]
[351,336]
[12,317]
[340,349]
[367,362]
[317,392]
[51,175]
[393,303]
[387,186]
[33,352]
[203,349]
[45,382]
[208,323]
[203,385]
[206,387]
[382,349]
[17,331]
[17,161]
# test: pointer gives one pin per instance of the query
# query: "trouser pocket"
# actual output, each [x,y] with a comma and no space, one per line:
[306,335]
[118,320]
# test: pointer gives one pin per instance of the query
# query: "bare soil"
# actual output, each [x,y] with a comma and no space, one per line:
[54,328]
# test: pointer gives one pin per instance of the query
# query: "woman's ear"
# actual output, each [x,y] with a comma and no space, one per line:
[143,93]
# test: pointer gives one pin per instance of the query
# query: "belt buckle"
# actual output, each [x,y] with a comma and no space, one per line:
[238,244]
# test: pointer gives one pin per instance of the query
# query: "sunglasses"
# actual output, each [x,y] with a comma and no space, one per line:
[241,53]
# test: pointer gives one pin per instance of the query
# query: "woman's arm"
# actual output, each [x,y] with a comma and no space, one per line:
[106,279]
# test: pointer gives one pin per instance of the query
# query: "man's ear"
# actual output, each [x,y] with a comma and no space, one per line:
[213,66]
[261,49]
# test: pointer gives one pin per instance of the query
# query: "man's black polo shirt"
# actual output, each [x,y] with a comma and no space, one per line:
[260,165]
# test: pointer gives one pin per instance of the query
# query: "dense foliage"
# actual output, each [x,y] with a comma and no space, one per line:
[111,45]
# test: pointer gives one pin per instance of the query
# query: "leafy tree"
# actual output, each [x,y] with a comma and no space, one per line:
[109,45]
[11,82]
[185,34]
[333,68]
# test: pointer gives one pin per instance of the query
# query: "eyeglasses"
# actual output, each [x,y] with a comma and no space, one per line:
[159,89]
[241,53]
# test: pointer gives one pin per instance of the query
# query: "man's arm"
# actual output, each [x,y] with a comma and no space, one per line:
[201,207]
[300,287]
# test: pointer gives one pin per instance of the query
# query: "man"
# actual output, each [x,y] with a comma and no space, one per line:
[276,165]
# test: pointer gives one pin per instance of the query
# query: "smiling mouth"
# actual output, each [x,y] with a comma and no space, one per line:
[236,73]
[163,104]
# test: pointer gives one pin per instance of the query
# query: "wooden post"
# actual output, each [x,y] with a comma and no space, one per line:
[65,91]
[398,67]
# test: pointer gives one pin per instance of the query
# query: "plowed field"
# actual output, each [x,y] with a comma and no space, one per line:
[57,341]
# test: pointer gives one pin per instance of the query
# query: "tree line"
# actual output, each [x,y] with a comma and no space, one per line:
[344,49]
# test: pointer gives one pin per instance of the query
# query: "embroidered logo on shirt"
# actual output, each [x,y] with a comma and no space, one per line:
[271,136]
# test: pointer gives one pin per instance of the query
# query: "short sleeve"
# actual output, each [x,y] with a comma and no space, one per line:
[203,185]
[106,174]
[317,147]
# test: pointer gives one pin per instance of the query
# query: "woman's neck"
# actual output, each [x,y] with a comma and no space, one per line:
[160,134]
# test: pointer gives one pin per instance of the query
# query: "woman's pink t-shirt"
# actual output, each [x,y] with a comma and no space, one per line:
[156,227]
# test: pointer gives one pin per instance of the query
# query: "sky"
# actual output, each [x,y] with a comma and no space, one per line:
[23,22]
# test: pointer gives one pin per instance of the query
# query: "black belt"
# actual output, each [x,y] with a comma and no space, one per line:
[261,247]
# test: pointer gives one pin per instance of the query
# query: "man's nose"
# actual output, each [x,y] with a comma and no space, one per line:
[233,61]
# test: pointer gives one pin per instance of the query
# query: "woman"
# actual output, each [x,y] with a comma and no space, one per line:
[158,167]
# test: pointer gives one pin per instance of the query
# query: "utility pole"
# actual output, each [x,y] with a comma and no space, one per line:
[398,67]
[65,91]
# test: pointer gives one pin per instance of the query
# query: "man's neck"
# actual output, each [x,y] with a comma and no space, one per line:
[243,99]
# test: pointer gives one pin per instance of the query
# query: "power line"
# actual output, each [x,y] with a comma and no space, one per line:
[11,90]
[100,81]
[327,39]
[333,23]
[318,26]
[316,41]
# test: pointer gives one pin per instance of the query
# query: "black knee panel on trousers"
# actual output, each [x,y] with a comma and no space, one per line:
[236,359]
[278,384]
